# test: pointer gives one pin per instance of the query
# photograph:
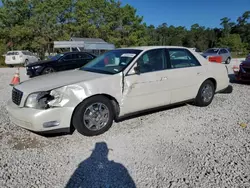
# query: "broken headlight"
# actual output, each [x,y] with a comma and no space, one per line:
[45,99]
[38,100]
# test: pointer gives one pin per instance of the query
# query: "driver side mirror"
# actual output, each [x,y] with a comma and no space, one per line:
[137,68]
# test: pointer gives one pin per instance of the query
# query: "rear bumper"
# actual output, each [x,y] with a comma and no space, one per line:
[14,62]
[40,120]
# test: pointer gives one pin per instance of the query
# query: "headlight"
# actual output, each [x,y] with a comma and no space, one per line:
[38,100]
[43,100]
[36,67]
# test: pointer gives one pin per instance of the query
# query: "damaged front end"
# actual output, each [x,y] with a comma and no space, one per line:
[68,96]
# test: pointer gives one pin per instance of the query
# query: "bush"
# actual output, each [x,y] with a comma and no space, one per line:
[2,63]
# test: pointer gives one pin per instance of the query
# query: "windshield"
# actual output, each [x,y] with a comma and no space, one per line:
[111,62]
[56,57]
[212,51]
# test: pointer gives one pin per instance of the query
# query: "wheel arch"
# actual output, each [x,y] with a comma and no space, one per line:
[111,98]
[213,80]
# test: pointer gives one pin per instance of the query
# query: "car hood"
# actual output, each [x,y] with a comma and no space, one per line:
[246,63]
[55,80]
[40,63]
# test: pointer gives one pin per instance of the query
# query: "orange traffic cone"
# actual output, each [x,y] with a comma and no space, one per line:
[16,78]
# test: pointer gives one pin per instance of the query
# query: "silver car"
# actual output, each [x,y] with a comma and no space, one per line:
[223,52]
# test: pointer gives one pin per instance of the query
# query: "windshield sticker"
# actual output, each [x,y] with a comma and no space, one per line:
[128,55]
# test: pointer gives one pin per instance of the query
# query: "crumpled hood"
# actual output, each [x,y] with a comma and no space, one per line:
[55,80]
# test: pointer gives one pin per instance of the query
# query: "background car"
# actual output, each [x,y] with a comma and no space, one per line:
[20,57]
[223,52]
[59,62]
[248,57]
[243,71]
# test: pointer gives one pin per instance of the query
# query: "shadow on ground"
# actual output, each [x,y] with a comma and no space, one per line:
[98,172]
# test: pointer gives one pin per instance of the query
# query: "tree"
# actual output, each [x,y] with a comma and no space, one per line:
[234,42]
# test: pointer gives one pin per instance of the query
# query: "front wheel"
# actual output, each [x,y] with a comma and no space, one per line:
[26,62]
[48,70]
[205,94]
[94,116]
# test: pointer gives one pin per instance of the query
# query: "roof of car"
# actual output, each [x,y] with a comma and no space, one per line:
[152,47]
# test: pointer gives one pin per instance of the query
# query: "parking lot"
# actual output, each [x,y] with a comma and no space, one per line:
[184,146]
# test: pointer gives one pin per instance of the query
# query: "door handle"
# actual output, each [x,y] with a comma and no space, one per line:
[164,78]
[199,73]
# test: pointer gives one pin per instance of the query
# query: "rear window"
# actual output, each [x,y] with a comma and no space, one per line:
[12,53]
[212,50]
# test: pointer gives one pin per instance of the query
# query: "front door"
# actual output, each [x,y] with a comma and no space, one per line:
[148,89]
[68,62]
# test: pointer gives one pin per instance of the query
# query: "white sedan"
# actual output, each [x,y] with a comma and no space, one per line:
[116,84]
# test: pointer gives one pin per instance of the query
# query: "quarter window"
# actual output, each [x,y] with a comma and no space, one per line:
[182,58]
[153,60]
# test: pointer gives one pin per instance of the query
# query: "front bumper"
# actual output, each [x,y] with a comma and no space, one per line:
[37,120]
[242,76]
[33,72]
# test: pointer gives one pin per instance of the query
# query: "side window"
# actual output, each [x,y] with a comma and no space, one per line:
[224,51]
[68,57]
[75,56]
[152,60]
[84,56]
[182,58]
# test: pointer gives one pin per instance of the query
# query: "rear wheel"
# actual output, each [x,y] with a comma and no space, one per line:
[205,94]
[10,66]
[228,60]
[48,70]
[94,116]
[26,62]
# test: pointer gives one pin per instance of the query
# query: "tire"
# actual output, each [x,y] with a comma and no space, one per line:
[81,123]
[48,70]
[228,60]
[10,66]
[26,62]
[202,101]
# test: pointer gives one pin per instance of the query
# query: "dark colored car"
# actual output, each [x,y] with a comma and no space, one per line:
[243,73]
[60,62]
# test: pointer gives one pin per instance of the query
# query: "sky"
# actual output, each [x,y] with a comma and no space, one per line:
[188,12]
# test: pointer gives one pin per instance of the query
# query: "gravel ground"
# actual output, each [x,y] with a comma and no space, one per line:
[184,146]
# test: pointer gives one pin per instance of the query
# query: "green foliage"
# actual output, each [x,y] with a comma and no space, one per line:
[34,25]
[234,42]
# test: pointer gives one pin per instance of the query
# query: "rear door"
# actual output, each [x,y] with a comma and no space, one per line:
[185,74]
[223,54]
[83,58]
